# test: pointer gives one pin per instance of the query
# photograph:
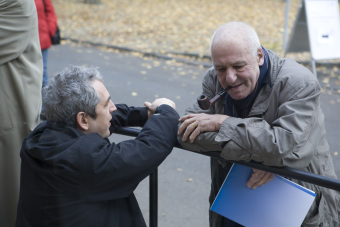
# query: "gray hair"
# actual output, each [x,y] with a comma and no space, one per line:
[70,92]
[238,32]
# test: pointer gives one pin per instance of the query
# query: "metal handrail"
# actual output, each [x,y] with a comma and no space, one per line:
[283,171]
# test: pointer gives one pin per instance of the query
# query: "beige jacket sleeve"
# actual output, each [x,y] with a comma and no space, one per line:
[16,26]
[284,126]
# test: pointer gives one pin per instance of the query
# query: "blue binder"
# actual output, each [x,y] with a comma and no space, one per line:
[278,203]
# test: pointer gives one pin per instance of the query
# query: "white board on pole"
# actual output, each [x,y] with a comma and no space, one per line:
[323,28]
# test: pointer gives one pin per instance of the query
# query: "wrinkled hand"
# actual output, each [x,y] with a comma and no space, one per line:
[160,101]
[194,124]
[259,178]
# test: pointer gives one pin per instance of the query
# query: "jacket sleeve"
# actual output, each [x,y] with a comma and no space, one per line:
[205,141]
[14,32]
[288,139]
[115,170]
[126,116]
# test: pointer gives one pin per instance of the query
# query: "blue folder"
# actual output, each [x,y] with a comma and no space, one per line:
[278,203]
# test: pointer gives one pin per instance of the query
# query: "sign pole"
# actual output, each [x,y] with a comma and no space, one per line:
[286,25]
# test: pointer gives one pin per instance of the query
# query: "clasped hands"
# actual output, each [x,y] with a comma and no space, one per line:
[193,124]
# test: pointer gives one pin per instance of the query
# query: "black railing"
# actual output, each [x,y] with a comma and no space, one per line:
[283,171]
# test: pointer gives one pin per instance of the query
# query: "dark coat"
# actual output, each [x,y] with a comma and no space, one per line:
[72,179]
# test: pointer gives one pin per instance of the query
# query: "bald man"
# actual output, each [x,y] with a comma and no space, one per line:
[271,114]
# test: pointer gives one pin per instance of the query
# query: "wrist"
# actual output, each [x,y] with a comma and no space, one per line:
[220,121]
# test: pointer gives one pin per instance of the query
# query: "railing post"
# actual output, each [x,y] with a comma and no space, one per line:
[153,195]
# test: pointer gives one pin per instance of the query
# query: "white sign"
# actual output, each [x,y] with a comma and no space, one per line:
[323,28]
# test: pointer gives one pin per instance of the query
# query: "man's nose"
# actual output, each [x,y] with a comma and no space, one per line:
[112,107]
[230,76]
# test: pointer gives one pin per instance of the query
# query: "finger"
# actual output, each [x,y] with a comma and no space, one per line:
[190,128]
[185,124]
[194,134]
[183,118]
[147,104]
[264,178]
[186,117]
[195,131]
[253,180]
[182,128]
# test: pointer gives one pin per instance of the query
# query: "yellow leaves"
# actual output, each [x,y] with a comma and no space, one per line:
[190,180]
[156,63]
[325,80]
[168,26]
[174,28]
[137,54]
[146,65]
[330,80]
[182,73]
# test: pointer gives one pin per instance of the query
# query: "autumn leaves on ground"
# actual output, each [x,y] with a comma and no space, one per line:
[168,27]
[165,26]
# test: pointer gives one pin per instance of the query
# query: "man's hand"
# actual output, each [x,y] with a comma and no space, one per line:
[194,124]
[259,178]
[160,101]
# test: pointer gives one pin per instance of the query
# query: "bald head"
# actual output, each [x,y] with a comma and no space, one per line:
[236,33]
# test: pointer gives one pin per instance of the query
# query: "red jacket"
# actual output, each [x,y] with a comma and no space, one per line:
[47,21]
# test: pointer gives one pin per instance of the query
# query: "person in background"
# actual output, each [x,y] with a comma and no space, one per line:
[71,175]
[47,21]
[20,95]
[271,115]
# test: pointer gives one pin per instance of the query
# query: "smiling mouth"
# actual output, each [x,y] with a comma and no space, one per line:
[236,86]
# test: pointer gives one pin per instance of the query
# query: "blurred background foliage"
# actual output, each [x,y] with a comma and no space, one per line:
[170,26]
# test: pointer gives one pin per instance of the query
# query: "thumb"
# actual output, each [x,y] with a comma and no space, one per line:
[147,105]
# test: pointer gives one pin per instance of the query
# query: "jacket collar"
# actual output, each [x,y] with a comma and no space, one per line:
[261,103]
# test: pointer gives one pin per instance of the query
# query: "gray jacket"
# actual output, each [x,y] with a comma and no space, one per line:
[285,127]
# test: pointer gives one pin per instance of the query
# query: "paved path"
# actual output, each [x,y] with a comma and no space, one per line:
[184,177]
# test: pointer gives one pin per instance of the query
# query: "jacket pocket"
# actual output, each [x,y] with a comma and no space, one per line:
[317,215]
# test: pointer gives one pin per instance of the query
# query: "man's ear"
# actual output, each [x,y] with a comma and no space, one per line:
[260,56]
[82,121]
